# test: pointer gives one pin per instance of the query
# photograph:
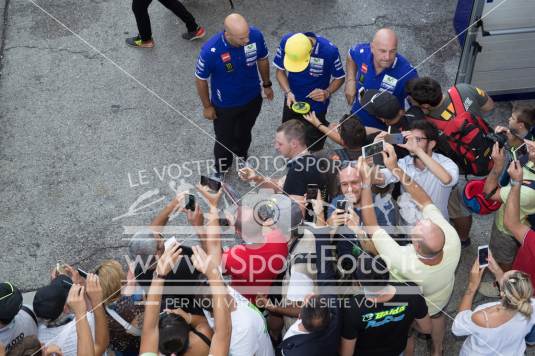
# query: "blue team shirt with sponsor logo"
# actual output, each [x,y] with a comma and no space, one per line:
[324,63]
[392,79]
[233,71]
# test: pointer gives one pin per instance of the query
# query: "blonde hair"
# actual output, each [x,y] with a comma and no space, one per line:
[516,293]
[111,275]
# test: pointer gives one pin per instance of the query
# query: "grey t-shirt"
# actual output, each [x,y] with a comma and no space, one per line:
[13,333]
[472,97]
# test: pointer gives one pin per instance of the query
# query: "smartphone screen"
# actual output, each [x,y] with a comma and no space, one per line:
[373,149]
[190,202]
[483,255]
[312,191]
[309,213]
[396,138]
[521,154]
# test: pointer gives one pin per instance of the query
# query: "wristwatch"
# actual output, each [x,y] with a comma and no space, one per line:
[159,276]
[267,84]
[365,186]
[514,182]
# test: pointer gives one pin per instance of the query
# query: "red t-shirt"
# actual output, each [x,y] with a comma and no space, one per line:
[254,268]
[525,257]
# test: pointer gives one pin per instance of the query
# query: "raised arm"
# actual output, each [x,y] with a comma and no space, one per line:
[94,292]
[351,85]
[330,130]
[76,303]
[150,333]
[491,183]
[512,206]
[162,218]
[223,325]
[212,237]
[417,193]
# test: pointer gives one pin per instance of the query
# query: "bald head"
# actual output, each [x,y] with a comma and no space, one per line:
[384,48]
[428,238]
[236,30]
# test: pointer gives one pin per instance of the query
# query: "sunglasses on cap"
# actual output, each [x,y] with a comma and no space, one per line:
[10,294]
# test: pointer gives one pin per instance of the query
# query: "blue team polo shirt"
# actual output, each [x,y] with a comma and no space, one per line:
[232,70]
[392,79]
[324,63]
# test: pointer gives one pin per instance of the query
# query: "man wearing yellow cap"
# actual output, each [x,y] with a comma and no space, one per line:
[309,69]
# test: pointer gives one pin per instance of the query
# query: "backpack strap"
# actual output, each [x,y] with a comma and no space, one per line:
[30,312]
[129,328]
[456,100]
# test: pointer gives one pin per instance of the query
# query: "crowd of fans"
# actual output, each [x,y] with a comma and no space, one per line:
[351,253]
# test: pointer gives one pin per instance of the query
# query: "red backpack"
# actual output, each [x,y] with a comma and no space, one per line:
[463,138]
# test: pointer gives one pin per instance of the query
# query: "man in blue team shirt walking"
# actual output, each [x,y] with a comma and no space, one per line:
[376,65]
[232,59]
[305,65]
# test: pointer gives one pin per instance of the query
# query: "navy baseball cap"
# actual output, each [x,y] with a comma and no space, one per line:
[10,302]
[49,301]
[380,104]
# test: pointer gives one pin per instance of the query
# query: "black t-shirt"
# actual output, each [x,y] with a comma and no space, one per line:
[185,276]
[382,329]
[302,171]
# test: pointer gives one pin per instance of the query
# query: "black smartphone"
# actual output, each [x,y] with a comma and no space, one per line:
[190,202]
[312,191]
[341,205]
[241,164]
[82,273]
[483,255]
[211,183]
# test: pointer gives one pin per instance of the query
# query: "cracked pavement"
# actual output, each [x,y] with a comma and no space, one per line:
[81,141]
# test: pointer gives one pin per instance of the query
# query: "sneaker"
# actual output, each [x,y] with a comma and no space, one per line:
[139,43]
[489,289]
[190,36]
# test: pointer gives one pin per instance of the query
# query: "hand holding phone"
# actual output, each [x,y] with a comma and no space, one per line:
[190,202]
[373,149]
[213,184]
[312,191]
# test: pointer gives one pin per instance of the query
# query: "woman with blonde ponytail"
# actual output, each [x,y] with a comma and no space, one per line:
[496,328]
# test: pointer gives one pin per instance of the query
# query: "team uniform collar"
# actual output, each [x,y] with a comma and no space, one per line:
[316,48]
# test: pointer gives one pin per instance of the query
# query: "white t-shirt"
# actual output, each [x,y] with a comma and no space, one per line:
[64,336]
[13,333]
[436,281]
[506,339]
[294,330]
[249,329]
[438,192]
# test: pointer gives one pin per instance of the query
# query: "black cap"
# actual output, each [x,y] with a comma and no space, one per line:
[381,104]
[10,302]
[49,301]
[371,271]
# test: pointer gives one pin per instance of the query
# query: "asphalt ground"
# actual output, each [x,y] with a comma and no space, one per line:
[89,126]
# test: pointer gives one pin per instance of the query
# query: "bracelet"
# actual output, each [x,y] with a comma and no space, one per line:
[365,186]
[287,92]
[267,84]
[320,125]
[514,182]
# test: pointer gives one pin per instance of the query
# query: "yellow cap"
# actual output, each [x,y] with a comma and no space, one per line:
[297,53]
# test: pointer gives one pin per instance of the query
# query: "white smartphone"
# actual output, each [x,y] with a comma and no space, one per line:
[373,148]
[169,242]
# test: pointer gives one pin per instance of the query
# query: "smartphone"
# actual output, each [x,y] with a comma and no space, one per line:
[341,205]
[190,202]
[169,242]
[82,273]
[521,154]
[396,139]
[312,191]
[211,183]
[483,255]
[373,148]
[241,164]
